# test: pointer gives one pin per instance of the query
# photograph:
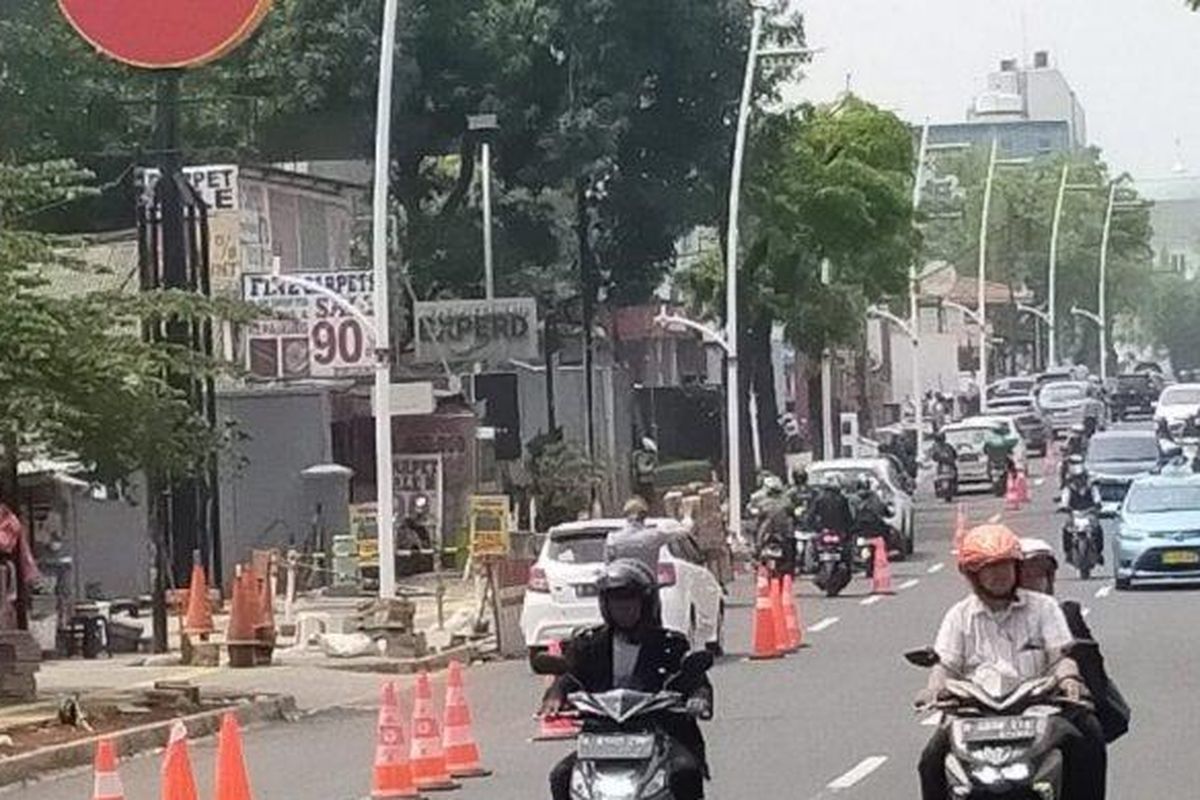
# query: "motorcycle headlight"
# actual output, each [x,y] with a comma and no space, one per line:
[986,775]
[656,784]
[995,755]
[579,785]
[614,786]
[1016,772]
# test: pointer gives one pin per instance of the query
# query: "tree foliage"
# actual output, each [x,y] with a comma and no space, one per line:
[1170,308]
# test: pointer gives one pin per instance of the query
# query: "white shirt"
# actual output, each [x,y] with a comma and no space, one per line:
[1012,645]
[625,656]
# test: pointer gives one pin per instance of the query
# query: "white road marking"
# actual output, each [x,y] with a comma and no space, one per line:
[870,601]
[935,568]
[864,768]
[908,584]
[828,622]
[1086,611]
[1104,591]
[932,719]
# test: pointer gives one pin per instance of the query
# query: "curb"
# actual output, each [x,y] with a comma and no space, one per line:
[131,741]
[410,666]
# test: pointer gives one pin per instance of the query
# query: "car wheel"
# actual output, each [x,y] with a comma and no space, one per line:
[1124,584]
[533,653]
[717,648]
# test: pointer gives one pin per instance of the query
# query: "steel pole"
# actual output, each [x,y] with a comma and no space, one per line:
[732,382]
[1102,303]
[379,254]
[489,275]
[913,304]
[1052,288]
[827,449]
[982,299]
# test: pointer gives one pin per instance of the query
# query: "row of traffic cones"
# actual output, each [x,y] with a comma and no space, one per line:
[778,626]
[178,780]
[250,635]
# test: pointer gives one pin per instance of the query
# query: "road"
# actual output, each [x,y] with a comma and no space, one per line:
[831,721]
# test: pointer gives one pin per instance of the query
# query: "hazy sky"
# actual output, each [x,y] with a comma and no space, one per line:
[1134,64]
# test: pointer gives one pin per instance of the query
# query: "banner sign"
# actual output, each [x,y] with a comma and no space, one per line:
[218,186]
[165,34]
[318,338]
[416,476]
[489,526]
[491,331]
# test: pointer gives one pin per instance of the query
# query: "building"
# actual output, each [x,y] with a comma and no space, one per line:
[1029,110]
[1175,220]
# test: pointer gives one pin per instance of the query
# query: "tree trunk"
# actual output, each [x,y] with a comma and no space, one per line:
[762,376]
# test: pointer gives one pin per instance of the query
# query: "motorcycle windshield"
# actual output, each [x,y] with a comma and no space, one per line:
[622,705]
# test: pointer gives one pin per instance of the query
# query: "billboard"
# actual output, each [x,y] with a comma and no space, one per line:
[489,331]
[311,335]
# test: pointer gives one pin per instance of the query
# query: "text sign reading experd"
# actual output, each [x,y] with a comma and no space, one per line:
[165,34]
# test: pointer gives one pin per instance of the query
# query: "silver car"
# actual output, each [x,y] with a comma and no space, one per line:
[1069,403]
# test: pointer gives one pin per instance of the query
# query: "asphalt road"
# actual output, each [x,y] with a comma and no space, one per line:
[832,720]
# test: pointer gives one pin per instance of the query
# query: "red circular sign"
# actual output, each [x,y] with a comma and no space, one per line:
[165,34]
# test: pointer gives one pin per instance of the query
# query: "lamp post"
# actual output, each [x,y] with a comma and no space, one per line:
[993,163]
[1052,277]
[485,125]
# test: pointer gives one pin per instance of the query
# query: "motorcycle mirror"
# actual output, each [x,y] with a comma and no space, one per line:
[546,664]
[925,657]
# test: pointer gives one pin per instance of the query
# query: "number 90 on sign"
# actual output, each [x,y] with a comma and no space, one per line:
[338,342]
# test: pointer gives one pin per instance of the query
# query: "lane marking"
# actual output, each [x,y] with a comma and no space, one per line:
[908,584]
[828,622]
[864,768]
[1104,591]
[1086,611]
[935,568]
[870,601]
[933,719]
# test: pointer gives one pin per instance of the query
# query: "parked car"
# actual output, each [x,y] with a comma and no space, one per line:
[1115,459]
[1158,538]
[1068,403]
[1134,393]
[562,594]
[1056,375]
[967,438]
[1021,386]
[1032,426]
[891,485]
[1177,404]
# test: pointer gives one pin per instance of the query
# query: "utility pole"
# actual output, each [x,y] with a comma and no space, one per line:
[828,450]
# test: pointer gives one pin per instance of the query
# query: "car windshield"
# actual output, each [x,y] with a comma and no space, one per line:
[1163,499]
[1181,396]
[1133,382]
[1123,448]
[970,438]
[1061,393]
[848,476]
[578,547]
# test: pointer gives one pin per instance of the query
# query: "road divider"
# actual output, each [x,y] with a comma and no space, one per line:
[858,773]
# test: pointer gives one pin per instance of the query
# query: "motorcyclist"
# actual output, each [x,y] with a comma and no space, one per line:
[830,509]
[998,446]
[632,650]
[414,530]
[1039,566]
[988,633]
[1076,445]
[871,512]
[636,539]
[1079,494]
[772,507]
[801,492]
[942,452]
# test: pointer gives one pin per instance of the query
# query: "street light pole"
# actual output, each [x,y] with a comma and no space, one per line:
[914,320]
[1102,304]
[379,252]
[1051,289]
[982,298]
[827,449]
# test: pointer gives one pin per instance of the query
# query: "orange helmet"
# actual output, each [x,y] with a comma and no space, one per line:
[988,544]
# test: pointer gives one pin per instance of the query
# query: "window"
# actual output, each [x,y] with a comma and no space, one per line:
[582,547]
[1179,263]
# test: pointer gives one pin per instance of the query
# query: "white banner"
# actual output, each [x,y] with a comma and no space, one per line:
[316,336]
[489,331]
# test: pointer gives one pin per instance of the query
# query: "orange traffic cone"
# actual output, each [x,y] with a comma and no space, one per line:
[791,615]
[239,636]
[178,782]
[1050,463]
[392,775]
[264,625]
[960,526]
[199,619]
[782,640]
[428,758]
[106,784]
[554,726]
[1023,488]
[462,752]
[232,783]
[881,571]
[765,644]
[1012,493]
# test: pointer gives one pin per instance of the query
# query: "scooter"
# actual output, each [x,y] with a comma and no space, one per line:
[1000,748]
[834,563]
[622,752]
[1081,532]
[945,484]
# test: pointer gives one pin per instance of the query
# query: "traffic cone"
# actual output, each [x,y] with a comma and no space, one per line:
[791,615]
[232,783]
[178,782]
[462,751]
[239,635]
[264,626]
[881,572]
[765,644]
[199,619]
[1012,496]
[1023,496]
[392,775]
[106,784]
[782,641]
[555,726]
[960,527]
[1050,463]
[428,758]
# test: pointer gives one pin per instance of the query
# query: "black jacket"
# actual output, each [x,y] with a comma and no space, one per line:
[1111,708]
[831,511]
[589,657]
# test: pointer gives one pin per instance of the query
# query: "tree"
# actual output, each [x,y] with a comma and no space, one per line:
[1168,315]
[828,182]
[77,380]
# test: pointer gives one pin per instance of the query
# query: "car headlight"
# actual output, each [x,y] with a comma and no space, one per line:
[1132,534]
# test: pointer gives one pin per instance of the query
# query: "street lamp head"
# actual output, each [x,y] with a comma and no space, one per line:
[482,122]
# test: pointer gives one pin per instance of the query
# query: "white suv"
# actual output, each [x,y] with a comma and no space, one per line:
[562,593]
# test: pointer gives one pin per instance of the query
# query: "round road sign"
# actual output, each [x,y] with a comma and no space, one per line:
[165,34]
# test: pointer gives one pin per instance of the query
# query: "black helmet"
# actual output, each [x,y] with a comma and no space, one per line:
[627,577]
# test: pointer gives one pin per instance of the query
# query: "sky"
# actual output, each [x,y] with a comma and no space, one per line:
[1134,64]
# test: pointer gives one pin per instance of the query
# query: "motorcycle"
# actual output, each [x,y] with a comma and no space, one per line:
[834,563]
[1081,533]
[622,750]
[945,484]
[1000,748]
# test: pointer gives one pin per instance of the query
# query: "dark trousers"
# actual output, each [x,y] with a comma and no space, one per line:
[1077,733]
[683,773]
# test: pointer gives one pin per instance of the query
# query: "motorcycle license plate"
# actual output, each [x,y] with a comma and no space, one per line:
[830,557]
[1180,557]
[615,747]
[586,590]
[1002,729]
[968,457]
